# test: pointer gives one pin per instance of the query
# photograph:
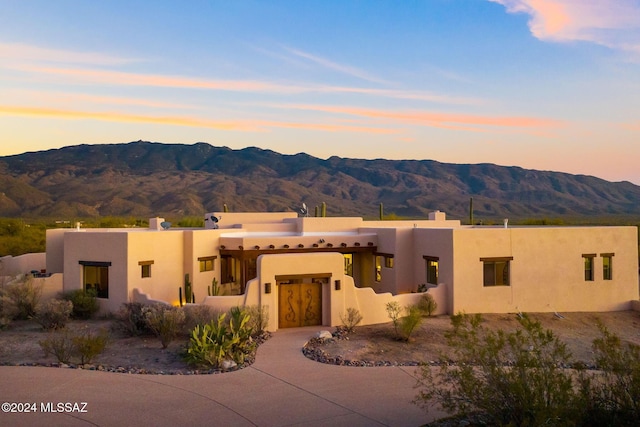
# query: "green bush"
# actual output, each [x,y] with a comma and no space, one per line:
[20,300]
[88,344]
[614,393]
[54,314]
[509,378]
[427,304]
[410,322]
[220,340]
[351,319]
[394,310]
[130,319]
[85,303]
[60,345]
[165,321]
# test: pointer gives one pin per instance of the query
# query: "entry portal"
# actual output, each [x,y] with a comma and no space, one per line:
[300,300]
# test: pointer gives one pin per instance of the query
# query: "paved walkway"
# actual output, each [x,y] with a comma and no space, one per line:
[282,388]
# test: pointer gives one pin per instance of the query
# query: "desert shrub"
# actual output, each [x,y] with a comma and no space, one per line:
[410,322]
[88,344]
[84,345]
[394,310]
[198,314]
[165,321]
[220,340]
[85,303]
[614,395]
[54,314]
[258,318]
[20,300]
[427,304]
[510,378]
[131,320]
[6,314]
[59,344]
[351,319]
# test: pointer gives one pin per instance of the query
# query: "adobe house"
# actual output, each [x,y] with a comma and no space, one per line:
[309,270]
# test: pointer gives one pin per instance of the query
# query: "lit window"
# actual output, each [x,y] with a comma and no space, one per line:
[388,261]
[607,266]
[145,268]
[496,271]
[378,268]
[95,275]
[432,264]
[348,264]
[588,267]
[206,263]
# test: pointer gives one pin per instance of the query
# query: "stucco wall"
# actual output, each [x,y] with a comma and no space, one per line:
[21,264]
[436,243]
[102,246]
[55,249]
[166,249]
[547,271]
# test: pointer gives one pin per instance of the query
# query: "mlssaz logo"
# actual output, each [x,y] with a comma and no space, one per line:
[65,407]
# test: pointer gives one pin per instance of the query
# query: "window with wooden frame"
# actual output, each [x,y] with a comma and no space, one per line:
[496,271]
[206,263]
[607,266]
[145,268]
[589,267]
[432,266]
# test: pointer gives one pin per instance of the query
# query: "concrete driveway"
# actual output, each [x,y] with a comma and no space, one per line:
[282,388]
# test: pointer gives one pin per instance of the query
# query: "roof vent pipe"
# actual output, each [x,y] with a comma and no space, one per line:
[506,222]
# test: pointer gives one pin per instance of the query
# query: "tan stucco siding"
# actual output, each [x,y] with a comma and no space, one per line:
[439,244]
[547,270]
[101,247]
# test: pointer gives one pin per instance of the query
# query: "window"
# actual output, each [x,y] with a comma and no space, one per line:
[432,264]
[95,276]
[145,268]
[496,271]
[588,267]
[388,261]
[206,263]
[348,264]
[379,267]
[607,266]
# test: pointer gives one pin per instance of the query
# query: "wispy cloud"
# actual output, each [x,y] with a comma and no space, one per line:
[341,68]
[441,120]
[231,125]
[67,98]
[121,78]
[20,52]
[611,23]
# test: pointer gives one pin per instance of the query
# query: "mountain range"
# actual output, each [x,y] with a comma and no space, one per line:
[145,179]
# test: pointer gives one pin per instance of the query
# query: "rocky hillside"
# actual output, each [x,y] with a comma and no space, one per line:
[148,179]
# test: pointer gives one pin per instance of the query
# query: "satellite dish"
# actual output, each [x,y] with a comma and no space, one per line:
[165,225]
[304,210]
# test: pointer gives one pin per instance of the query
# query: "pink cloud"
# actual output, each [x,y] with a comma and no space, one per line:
[434,119]
[615,24]
[132,79]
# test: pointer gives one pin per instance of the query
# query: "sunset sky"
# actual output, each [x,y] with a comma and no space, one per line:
[541,84]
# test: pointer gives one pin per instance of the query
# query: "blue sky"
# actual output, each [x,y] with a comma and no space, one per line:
[541,84]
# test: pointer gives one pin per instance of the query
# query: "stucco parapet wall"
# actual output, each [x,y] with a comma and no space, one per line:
[267,241]
[326,224]
[372,226]
[239,219]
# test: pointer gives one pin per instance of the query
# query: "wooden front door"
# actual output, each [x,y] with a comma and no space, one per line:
[299,303]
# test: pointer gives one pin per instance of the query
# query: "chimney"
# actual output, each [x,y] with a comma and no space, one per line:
[437,216]
[154,223]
